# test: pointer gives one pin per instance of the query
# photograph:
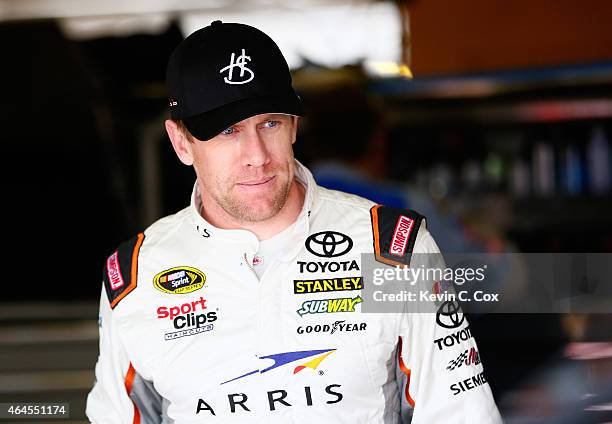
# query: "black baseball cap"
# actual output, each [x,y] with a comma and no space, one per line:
[227,72]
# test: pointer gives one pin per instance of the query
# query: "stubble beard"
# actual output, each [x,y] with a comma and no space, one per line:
[243,212]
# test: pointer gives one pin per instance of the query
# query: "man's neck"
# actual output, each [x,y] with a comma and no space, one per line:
[262,229]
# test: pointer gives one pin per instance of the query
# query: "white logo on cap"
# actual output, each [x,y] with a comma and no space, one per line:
[241,63]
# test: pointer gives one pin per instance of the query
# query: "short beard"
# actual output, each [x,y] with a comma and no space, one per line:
[242,212]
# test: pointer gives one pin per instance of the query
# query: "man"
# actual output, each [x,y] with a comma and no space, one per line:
[246,306]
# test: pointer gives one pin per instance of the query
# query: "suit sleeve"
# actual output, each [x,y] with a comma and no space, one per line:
[120,394]
[439,373]
[109,401]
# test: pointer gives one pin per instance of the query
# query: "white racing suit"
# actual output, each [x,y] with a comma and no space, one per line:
[188,334]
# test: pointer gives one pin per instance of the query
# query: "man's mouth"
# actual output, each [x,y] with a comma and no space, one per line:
[257,182]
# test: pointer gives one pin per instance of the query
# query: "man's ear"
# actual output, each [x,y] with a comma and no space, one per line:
[180,143]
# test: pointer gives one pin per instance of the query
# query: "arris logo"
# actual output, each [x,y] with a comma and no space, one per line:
[281,359]
[329,244]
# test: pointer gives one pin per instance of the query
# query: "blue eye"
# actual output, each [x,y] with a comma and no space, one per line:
[271,124]
[228,131]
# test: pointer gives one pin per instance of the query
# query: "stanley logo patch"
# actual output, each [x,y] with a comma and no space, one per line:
[179,280]
[327,285]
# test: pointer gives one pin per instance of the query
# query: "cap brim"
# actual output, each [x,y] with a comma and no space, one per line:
[209,124]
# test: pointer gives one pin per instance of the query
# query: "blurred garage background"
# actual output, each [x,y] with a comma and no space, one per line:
[493,118]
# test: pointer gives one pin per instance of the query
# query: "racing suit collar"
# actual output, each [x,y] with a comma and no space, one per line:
[246,237]
[301,228]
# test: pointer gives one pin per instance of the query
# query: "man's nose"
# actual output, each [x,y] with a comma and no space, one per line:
[254,150]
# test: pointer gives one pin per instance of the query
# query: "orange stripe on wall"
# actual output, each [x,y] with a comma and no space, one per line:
[129,382]
[405,371]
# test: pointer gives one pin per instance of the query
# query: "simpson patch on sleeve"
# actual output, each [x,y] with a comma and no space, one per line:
[395,232]
[121,270]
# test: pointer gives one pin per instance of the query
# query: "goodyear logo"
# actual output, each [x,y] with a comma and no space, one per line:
[329,306]
[179,280]
[327,285]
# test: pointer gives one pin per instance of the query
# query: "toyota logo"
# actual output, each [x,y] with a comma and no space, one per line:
[449,315]
[329,244]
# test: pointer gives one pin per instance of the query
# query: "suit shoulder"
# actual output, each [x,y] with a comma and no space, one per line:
[395,233]
[121,270]
[343,199]
[120,274]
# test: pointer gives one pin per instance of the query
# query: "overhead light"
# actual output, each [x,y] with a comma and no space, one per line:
[387,69]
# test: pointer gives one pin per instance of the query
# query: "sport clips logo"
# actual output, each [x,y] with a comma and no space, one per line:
[187,318]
